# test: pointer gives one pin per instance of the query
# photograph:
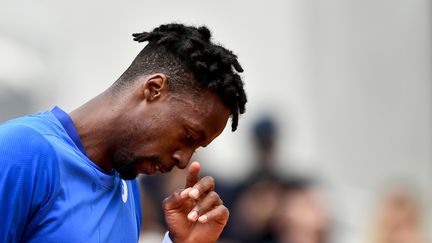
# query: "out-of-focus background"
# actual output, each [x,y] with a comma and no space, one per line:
[340,102]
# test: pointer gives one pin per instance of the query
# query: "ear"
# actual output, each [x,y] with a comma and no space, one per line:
[155,86]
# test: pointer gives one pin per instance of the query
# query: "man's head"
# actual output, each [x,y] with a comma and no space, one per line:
[182,89]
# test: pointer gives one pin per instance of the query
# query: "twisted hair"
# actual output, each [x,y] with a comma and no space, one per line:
[192,64]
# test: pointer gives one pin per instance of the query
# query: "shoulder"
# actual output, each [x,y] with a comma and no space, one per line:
[29,174]
[23,139]
[28,159]
[25,148]
[28,130]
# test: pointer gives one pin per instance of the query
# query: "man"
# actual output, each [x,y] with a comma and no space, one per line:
[70,177]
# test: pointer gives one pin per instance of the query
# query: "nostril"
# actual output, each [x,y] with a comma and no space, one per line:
[182,164]
[181,159]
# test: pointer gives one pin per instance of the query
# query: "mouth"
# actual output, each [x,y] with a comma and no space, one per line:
[149,165]
[157,167]
[152,167]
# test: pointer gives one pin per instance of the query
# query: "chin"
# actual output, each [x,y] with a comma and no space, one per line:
[131,178]
[128,176]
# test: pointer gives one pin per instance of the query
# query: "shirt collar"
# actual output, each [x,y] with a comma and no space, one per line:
[69,127]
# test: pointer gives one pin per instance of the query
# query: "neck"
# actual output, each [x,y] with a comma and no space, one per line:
[94,122]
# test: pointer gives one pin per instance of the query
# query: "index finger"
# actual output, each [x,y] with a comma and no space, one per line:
[193,174]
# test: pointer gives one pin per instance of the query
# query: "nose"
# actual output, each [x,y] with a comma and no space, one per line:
[182,157]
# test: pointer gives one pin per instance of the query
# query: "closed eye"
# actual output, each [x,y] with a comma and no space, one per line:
[189,137]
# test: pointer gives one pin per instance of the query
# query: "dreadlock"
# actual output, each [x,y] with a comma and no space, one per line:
[191,62]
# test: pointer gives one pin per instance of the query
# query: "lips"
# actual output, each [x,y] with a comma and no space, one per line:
[160,168]
[153,168]
[148,168]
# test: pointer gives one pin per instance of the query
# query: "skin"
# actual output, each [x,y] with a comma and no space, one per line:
[155,129]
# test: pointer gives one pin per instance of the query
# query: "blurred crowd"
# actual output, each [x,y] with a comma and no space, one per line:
[398,219]
[269,208]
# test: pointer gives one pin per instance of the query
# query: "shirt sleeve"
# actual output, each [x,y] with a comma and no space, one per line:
[167,239]
[27,180]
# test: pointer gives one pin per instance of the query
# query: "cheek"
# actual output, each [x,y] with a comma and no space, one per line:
[155,137]
[137,138]
[157,142]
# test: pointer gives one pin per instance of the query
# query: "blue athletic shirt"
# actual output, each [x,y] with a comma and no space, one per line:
[50,191]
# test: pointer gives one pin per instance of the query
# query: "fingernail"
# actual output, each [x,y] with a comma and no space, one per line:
[194,193]
[203,218]
[192,216]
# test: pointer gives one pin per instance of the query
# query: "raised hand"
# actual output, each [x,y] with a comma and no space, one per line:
[195,214]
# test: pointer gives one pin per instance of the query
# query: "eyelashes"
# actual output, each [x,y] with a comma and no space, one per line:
[189,139]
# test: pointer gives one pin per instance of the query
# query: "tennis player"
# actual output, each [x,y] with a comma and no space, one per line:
[70,177]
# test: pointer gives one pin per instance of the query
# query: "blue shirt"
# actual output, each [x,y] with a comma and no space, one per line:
[50,191]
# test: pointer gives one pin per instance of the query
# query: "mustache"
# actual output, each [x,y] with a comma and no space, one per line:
[153,159]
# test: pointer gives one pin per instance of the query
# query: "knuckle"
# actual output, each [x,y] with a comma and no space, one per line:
[226,211]
[214,196]
[165,203]
[211,180]
[208,180]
